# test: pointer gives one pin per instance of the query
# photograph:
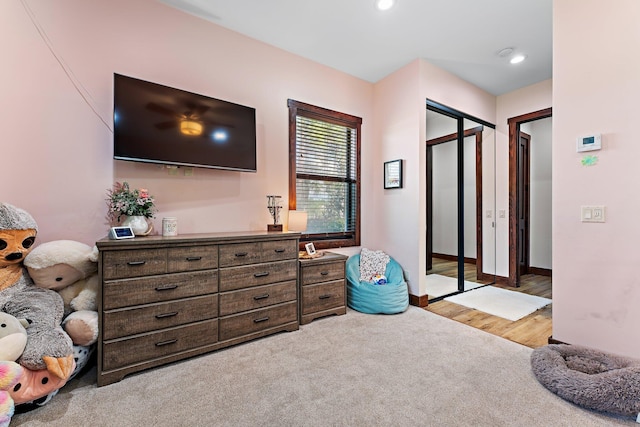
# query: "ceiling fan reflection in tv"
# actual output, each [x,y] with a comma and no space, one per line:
[158,124]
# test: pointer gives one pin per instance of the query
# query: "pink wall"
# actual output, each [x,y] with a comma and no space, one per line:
[400,127]
[60,148]
[397,129]
[596,287]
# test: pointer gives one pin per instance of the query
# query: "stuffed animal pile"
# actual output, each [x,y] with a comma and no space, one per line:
[71,269]
[39,287]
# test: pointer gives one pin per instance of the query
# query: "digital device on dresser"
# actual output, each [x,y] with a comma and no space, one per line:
[159,124]
[121,232]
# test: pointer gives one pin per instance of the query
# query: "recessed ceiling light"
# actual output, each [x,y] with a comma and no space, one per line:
[518,59]
[385,4]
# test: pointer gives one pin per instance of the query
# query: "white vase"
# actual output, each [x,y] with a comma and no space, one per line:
[138,224]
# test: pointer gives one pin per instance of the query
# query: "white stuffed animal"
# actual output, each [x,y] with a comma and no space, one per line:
[71,269]
[13,337]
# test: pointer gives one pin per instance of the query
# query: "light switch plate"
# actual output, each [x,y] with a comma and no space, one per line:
[592,213]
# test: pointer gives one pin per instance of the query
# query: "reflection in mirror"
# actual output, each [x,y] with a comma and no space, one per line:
[475,260]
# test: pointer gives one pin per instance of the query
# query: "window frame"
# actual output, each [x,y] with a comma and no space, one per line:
[297,108]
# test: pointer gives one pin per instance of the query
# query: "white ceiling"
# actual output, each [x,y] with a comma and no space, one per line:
[461,36]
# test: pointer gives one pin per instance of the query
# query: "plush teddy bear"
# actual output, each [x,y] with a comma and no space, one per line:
[70,268]
[48,346]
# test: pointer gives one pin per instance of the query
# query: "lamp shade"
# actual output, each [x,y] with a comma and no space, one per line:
[297,221]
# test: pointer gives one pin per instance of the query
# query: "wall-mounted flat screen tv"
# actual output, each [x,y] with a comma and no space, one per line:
[159,124]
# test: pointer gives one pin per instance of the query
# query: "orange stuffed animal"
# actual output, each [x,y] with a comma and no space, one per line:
[48,346]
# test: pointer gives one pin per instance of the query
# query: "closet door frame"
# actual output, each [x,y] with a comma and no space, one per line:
[459,117]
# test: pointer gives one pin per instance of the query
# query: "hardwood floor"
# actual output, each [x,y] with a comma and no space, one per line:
[532,331]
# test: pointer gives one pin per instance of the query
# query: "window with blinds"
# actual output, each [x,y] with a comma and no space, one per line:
[325,171]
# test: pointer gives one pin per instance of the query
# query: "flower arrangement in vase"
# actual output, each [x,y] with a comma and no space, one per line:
[134,205]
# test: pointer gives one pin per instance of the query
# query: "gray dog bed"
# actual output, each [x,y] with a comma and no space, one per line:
[589,378]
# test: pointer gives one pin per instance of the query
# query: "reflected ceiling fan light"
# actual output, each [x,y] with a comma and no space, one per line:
[518,59]
[220,135]
[385,4]
[190,127]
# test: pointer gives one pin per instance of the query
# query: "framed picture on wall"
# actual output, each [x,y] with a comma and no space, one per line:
[393,174]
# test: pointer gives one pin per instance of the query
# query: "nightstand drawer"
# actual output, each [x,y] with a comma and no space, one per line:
[256,275]
[257,297]
[192,258]
[151,317]
[322,296]
[134,263]
[141,348]
[257,320]
[322,272]
[124,293]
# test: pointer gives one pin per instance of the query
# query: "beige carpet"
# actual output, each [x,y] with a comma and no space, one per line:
[510,305]
[439,285]
[411,369]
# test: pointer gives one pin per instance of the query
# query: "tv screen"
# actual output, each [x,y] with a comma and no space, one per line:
[159,124]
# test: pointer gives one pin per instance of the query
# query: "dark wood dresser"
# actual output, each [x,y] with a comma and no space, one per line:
[323,286]
[165,299]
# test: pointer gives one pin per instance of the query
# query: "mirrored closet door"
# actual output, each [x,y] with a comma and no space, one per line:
[460,202]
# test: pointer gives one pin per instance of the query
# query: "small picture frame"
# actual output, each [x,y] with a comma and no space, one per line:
[393,174]
[311,250]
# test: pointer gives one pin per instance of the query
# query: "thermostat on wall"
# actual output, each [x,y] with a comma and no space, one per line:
[589,143]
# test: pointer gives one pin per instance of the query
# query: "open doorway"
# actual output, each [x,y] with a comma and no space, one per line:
[529,195]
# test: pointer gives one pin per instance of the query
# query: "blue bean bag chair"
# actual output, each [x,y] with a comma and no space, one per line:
[367,297]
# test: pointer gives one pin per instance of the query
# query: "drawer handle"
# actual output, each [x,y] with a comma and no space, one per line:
[259,297]
[241,254]
[280,250]
[260,320]
[194,258]
[136,262]
[166,288]
[167,342]
[263,274]
[324,296]
[163,315]
[324,273]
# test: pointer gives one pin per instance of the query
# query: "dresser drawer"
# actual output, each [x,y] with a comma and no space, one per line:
[279,250]
[134,263]
[192,258]
[322,272]
[236,254]
[147,290]
[151,317]
[257,320]
[322,296]
[256,275]
[257,297]
[140,348]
